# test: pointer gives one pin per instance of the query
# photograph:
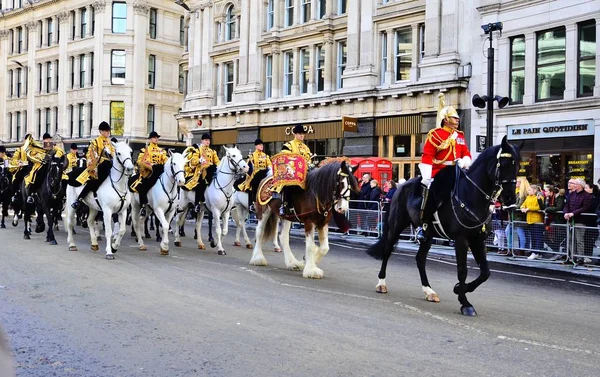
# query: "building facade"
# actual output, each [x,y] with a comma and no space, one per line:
[256,68]
[546,61]
[68,65]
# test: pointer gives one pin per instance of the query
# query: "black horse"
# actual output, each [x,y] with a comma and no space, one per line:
[5,192]
[462,200]
[49,197]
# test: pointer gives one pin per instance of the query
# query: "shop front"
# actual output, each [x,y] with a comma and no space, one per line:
[325,139]
[555,152]
[399,140]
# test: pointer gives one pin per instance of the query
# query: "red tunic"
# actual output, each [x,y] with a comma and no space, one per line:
[442,150]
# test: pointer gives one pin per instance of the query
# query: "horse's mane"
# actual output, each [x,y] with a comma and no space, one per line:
[322,182]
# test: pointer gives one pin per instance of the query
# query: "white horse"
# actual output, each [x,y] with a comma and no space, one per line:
[111,197]
[240,214]
[162,199]
[218,197]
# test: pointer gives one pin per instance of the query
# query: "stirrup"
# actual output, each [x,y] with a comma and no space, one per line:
[252,208]
[420,234]
[282,210]
[30,200]
[197,208]
[143,212]
[75,204]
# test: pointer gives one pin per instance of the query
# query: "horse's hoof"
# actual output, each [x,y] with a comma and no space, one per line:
[195,237]
[260,261]
[202,247]
[15,223]
[468,311]
[177,243]
[381,289]
[95,247]
[316,273]
[143,248]
[433,297]
[56,228]
[136,239]
[277,250]
[26,237]
[249,246]
[53,242]
[213,244]
[237,243]
[40,228]
[2,226]
[221,252]
[72,248]
[211,239]
[164,252]
[181,234]
[110,257]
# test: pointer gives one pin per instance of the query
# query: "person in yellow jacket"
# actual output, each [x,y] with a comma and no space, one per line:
[150,164]
[99,157]
[39,158]
[260,164]
[533,206]
[72,159]
[200,168]
[19,167]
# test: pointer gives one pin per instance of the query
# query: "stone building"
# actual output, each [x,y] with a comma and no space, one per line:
[256,68]
[68,65]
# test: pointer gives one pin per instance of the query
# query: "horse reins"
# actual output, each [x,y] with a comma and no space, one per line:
[235,168]
[162,184]
[112,182]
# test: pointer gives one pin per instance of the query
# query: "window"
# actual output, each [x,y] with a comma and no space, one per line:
[384,57]
[48,76]
[402,145]
[341,6]
[181,79]
[84,22]
[48,120]
[19,82]
[117,67]
[269,76]
[153,17]
[72,72]
[71,120]
[229,77]
[91,115]
[322,8]
[82,62]
[119,17]
[150,126]
[18,128]
[304,70]
[586,57]
[517,69]
[306,10]
[320,68]
[550,64]
[270,14]
[73,24]
[288,73]
[25,80]
[289,12]
[229,24]
[10,126]
[91,69]
[93,11]
[50,31]
[56,78]
[117,118]
[55,119]
[39,121]
[39,72]
[403,54]
[181,31]
[11,37]
[341,63]
[81,124]
[19,40]
[421,42]
[151,71]
[11,83]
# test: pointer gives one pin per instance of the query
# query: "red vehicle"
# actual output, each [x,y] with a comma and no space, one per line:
[379,168]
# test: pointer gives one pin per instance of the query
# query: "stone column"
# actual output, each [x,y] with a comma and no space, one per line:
[76,73]
[13,127]
[55,26]
[277,64]
[329,12]
[140,60]
[206,48]
[415,54]
[433,22]
[76,133]
[312,50]
[3,77]
[530,74]
[278,10]
[571,62]
[63,72]
[99,115]
[390,74]
[77,25]
[220,74]
[329,63]
[353,40]
[32,78]
[296,72]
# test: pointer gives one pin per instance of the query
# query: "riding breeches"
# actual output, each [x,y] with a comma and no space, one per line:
[93,185]
[147,183]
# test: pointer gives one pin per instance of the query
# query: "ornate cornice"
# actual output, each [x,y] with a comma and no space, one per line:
[99,6]
[141,7]
[63,17]
[3,34]
[31,25]
[206,4]
[275,49]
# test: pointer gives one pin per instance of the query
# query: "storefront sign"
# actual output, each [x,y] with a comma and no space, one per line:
[349,124]
[309,130]
[551,130]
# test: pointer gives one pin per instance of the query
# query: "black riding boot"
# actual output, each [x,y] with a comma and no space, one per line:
[143,202]
[421,231]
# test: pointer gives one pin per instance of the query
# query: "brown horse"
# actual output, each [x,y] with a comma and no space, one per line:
[327,195]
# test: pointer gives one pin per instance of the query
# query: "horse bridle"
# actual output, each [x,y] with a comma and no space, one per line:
[235,171]
[123,195]
[162,184]
[51,180]
[498,187]
[337,196]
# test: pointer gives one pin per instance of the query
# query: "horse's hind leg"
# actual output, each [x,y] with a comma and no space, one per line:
[69,220]
[179,223]
[392,229]
[460,249]
[479,254]
[164,243]
[199,219]
[288,256]
[430,294]
[311,270]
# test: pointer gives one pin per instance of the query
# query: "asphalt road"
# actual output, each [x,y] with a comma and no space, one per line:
[195,313]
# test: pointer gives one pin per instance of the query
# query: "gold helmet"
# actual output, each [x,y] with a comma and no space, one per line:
[445,112]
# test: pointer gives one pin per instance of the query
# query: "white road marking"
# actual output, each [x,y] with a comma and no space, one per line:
[546,345]
[583,283]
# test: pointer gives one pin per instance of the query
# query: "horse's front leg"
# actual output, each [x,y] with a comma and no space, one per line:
[179,223]
[243,213]
[122,220]
[108,232]
[138,225]
[258,257]
[479,252]
[323,244]
[276,247]
[164,243]
[311,270]
[460,249]
[199,219]
[430,294]
[91,221]
[218,233]
[50,233]
[69,225]
[288,256]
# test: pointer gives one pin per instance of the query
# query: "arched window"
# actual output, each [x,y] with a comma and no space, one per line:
[229,24]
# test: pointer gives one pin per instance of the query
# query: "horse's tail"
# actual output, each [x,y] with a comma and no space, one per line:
[270,228]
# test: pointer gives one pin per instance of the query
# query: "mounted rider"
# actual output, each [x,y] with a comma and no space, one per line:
[445,146]
[200,168]
[99,162]
[72,159]
[296,146]
[39,157]
[151,164]
[260,164]
[19,166]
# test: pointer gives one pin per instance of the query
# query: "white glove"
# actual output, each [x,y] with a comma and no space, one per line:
[464,163]
[202,160]
[269,172]
[426,170]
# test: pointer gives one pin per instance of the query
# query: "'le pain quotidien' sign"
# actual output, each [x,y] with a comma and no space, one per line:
[550,130]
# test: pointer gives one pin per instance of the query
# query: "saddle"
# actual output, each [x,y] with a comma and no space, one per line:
[289,169]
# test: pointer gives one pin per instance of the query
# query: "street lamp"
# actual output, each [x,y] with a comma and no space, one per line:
[488,100]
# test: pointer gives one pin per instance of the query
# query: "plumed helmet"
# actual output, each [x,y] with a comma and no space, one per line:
[46,136]
[73,146]
[258,142]
[205,136]
[104,126]
[299,129]
[444,112]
